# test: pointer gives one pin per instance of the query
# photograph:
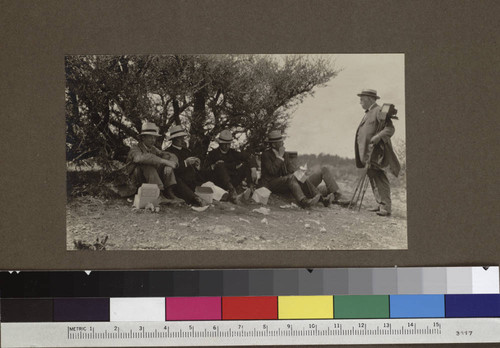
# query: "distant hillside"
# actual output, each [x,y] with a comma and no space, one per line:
[343,167]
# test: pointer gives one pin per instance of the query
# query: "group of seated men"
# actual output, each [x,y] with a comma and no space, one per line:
[177,172]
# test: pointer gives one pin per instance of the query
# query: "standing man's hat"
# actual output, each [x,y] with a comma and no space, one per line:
[369,93]
[176,131]
[274,136]
[225,137]
[149,128]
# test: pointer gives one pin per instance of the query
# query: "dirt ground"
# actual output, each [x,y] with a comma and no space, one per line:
[225,226]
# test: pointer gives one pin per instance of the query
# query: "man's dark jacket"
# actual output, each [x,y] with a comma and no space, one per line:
[232,160]
[273,167]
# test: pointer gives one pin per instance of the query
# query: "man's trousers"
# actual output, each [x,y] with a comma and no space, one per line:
[187,181]
[227,179]
[381,188]
[290,184]
[162,176]
[326,175]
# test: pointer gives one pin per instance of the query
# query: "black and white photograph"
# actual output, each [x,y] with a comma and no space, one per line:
[236,152]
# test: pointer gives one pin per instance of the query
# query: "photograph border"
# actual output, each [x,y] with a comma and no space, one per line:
[449,77]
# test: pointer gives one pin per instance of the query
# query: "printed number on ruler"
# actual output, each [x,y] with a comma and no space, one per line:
[285,332]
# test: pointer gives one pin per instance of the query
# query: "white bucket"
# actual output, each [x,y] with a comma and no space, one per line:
[147,193]
[205,193]
[261,195]
[217,191]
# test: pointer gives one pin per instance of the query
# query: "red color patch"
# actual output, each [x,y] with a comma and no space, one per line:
[250,308]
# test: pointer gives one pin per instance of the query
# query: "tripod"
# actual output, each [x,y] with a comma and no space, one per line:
[361,187]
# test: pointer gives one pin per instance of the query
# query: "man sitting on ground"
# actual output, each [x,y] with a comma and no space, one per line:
[147,164]
[188,173]
[278,176]
[227,167]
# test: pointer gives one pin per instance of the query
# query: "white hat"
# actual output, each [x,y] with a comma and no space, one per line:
[176,131]
[274,136]
[149,128]
[225,137]
[369,93]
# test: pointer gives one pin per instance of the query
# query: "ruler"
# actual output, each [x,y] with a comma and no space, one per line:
[250,332]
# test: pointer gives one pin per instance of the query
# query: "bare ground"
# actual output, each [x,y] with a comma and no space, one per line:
[225,226]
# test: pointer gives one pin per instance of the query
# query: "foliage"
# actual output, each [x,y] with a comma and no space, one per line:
[109,97]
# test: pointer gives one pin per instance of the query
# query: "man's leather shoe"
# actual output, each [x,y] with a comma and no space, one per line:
[308,202]
[169,193]
[327,200]
[233,197]
[374,209]
[383,213]
[337,196]
[199,202]
[164,200]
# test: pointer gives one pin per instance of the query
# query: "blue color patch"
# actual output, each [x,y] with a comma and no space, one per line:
[472,306]
[416,306]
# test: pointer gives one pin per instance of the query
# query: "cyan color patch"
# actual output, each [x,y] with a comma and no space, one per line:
[416,306]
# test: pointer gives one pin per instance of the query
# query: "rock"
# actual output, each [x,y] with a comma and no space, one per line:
[200,209]
[241,240]
[315,221]
[262,210]
[307,226]
[264,221]
[221,229]
[322,229]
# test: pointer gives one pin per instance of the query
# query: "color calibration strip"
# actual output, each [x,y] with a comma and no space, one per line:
[250,308]
[254,282]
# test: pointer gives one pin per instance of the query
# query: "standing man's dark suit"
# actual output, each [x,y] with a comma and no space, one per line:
[382,154]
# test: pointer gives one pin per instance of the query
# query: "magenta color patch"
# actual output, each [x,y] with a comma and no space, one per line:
[193,308]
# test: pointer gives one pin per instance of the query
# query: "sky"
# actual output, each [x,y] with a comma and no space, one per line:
[327,122]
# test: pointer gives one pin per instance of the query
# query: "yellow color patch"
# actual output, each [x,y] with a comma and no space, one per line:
[305,307]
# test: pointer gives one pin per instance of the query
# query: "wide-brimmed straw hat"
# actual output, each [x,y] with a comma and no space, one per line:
[176,131]
[149,128]
[274,136]
[369,93]
[225,137]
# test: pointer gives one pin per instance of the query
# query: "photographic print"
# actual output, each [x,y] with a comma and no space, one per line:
[236,152]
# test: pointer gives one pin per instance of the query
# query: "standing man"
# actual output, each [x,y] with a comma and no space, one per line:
[188,173]
[147,164]
[374,150]
[228,167]
[278,177]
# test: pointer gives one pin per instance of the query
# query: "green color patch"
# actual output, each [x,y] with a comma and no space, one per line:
[361,306]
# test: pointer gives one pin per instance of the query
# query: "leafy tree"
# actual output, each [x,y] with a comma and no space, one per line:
[109,97]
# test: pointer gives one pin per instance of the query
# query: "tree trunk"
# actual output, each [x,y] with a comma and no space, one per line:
[199,142]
